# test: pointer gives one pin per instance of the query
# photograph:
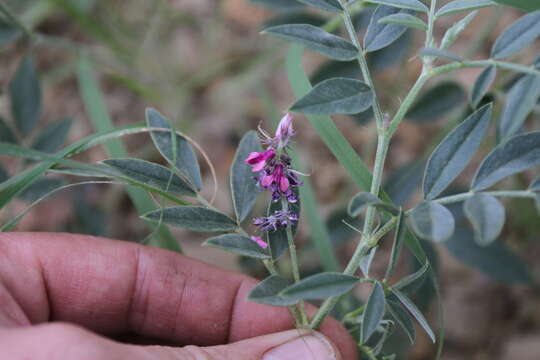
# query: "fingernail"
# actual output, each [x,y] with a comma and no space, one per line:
[310,347]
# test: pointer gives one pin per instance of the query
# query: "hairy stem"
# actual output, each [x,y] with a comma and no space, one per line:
[508,193]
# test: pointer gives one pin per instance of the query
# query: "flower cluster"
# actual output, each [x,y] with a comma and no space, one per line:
[275,173]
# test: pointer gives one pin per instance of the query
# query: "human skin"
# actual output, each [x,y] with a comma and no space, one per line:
[72,294]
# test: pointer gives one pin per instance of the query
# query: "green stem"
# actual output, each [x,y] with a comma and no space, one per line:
[484,63]
[508,193]
[367,351]
[294,263]
[363,64]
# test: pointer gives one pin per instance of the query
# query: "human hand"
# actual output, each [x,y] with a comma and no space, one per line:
[59,291]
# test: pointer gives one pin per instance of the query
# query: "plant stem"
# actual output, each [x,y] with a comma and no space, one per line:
[508,193]
[294,263]
[484,63]
[363,64]
[367,351]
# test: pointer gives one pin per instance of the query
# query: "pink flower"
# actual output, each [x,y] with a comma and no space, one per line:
[260,242]
[284,130]
[258,159]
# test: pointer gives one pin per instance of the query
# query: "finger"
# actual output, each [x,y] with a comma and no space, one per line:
[64,341]
[114,287]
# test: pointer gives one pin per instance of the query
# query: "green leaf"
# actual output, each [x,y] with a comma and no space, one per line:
[238,244]
[403,318]
[432,221]
[392,55]
[321,286]
[407,20]
[363,200]
[152,174]
[535,185]
[414,312]
[243,186]
[412,278]
[6,134]
[8,33]
[268,292]
[404,181]
[440,53]
[517,36]
[25,92]
[487,217]
[451,35]
[330,5]
[515,155]
[521,100]
[455,152]
[294,17]
[194,218]
[279,4]
[462,5]
[436,102]
[482,85]
[527,5]
[4,174]
[53,136]
[186,160]
[315,39]
[495,260]
[374,312]
[415,5]
[378,35]
[399,236]
[336,96]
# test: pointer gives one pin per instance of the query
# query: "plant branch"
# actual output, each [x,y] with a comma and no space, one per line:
[507,193]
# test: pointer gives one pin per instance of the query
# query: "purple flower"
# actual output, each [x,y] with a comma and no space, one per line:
[258,160]
[260,242]
[284,131]
[279,219]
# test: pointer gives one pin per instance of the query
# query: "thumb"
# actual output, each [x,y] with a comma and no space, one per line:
[287,345]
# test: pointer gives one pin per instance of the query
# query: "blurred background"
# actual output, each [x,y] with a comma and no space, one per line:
[204,64]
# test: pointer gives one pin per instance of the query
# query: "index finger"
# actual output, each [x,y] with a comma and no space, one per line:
[114,287]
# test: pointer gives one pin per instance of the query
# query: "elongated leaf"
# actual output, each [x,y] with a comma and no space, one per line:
[407,20]
[378,35]
[330,5]
[432,221]
[462,5]
[495,260]
[321,286]
[440,53]
[363,200]
[294,17]
[279,4]
[521,99]
[527,5]
[4,174]
[374,312]
[399,236]
[402,317]
[392,55]
[517,36]
[186,160]
[415,5]
[336,96]
[487,216]
[243,185]
[194,218]
[482,85]
[315,39]
[535,185]
[268,292]
[517,154]
[154,175]
[436,102]
[53,136]
[455,152]
[415,312]
[25,92]
[6,134]
[451,35]
[412,278]
[238,244]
